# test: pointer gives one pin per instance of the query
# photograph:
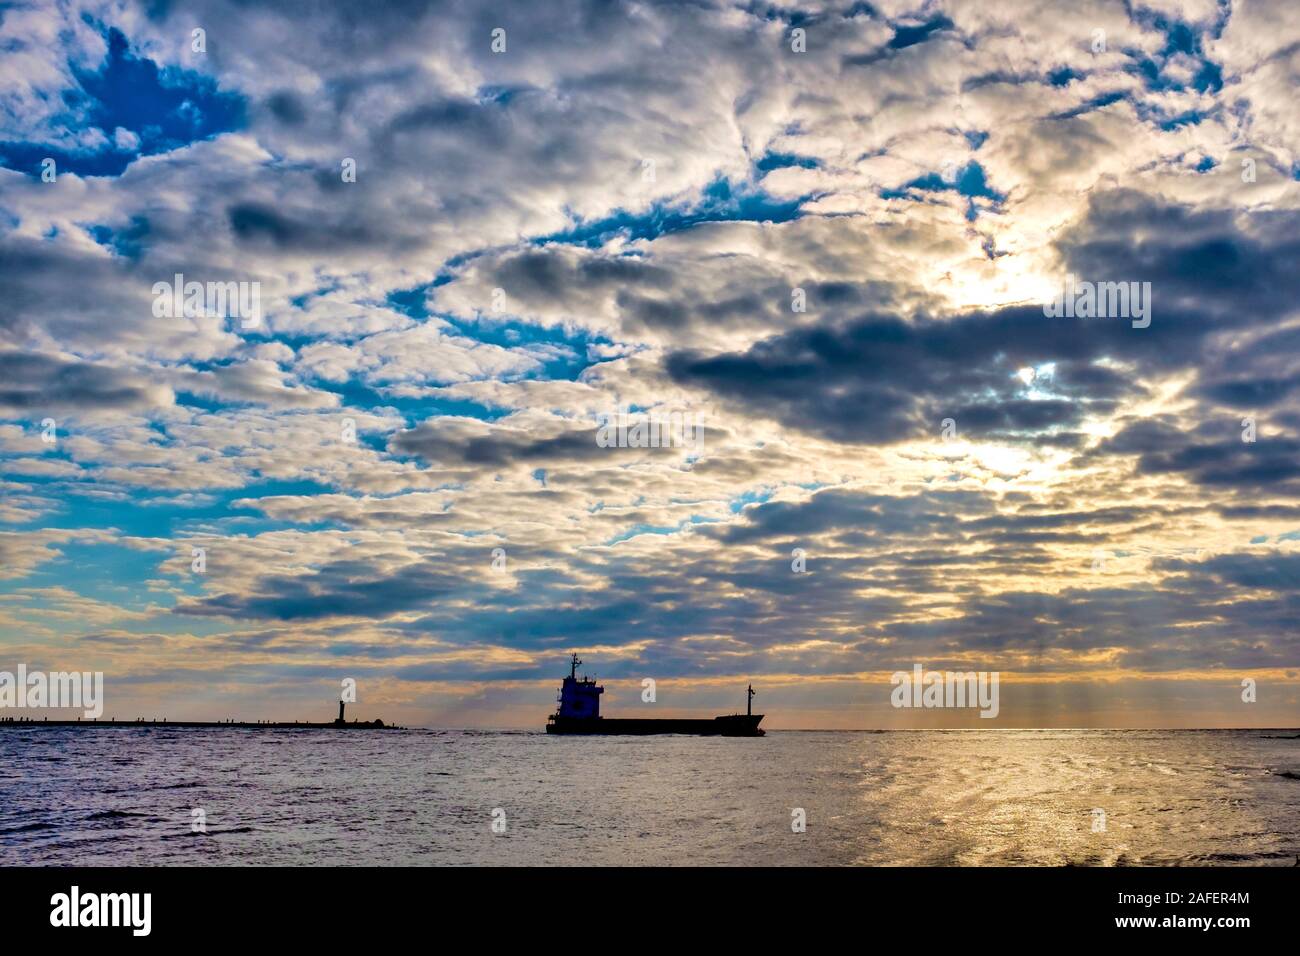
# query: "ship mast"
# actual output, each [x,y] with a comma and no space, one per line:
[749,702]
[573,668]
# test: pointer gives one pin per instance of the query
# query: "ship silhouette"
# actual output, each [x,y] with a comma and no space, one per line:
[579,713]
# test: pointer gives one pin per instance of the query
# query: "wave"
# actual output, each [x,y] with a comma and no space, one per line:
[25,827]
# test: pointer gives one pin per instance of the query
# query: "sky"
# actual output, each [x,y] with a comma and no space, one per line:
[827,233]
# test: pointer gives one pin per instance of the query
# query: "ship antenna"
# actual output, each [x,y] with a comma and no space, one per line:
[749,702]
[573,670]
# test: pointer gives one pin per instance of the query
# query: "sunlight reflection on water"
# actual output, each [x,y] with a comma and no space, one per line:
[124,796]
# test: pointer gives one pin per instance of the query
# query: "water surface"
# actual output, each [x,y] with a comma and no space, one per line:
[126,796]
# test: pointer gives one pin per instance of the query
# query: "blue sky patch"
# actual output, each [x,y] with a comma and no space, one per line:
[160,109]
[970,181]
[721,202]
[911,36]
[770,161]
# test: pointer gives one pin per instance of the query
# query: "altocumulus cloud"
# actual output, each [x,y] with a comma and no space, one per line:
[837,257]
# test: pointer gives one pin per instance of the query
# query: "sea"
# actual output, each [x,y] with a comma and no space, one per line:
[163,796]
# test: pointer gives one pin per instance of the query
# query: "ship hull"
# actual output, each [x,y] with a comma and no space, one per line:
[737,725]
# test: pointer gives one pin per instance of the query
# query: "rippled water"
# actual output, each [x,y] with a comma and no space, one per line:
[420,797]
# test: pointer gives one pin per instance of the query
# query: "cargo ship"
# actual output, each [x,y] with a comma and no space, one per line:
[579,713]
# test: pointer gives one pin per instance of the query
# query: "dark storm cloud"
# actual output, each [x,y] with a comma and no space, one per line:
[53,288]
[550,274]
[287,107]
[341,588]
[495,448]
[457,443]
[880,378]
[1209,453]
[1159,628]
[32,383]
[1202,263]
[837,511]
[303,231]
[639,602]
[1261,376]
[1264,571]
[683,310]
[1181,623]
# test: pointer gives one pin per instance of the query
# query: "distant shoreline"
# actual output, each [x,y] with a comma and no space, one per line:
[16,724]
[23,723]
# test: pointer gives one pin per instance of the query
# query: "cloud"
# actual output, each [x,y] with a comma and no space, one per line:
[826,254]
[35,384]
